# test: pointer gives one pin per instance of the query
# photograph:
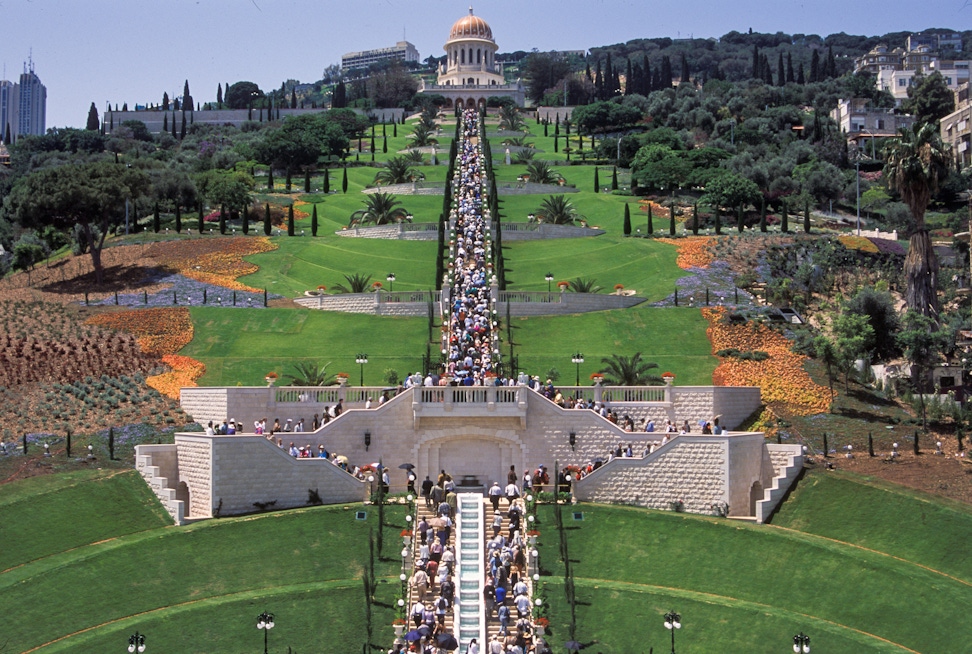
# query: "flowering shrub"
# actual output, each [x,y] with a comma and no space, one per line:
[217,261]
[184,372]
[159,331]
[693,251]
[783,381]
[852,242]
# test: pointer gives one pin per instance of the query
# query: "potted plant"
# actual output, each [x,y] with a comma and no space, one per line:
[618,288]
[398,624]
[532,536]
[563,286]
[406,536]
[668,377]
[342,378]
[271,378]
[597,378]
[540,625]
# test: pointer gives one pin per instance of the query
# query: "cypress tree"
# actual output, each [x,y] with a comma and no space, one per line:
[314,221]
[815,67]
[266,220]
[556,139]
[651,222]
[344,181]
[156,220]
[93,121]
[671,218]
[718,219]
[597,184]
[174,134]
[739,218]
[756,62]
[545,126]
[165,122]
[784,219]
[200,218]
[395,129]
[178,219]
[307,180]
[290,220]
[293,98]
[165,101]
[800,78]
[219,96]
[372,142]
[384,143]
[806,218]
[614,178]
[222,219]
[270,178]
[627,220]
[695,218]
[182,132]
[245,216]
[762,214]
[789,69]
[327,180]
[439,256]
[629,78]
[289,182]
[685,69]
[780,71]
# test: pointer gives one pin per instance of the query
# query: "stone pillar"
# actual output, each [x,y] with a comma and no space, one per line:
[668,390]
[598,392]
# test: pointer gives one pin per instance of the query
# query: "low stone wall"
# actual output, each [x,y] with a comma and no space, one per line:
[566,303]
[430,231]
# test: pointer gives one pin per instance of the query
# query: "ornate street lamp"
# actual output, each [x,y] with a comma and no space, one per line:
[577,359]
[136,642]
[264,622]
[549,277]
[361,359]
[673,621]
[801,643]
[391,281]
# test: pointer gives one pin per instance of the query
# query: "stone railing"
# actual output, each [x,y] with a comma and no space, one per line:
[380,303]
[470,401]
[430,231]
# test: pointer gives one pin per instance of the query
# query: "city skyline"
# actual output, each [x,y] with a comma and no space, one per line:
[110,51]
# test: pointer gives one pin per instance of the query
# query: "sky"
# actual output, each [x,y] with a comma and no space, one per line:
[132,51]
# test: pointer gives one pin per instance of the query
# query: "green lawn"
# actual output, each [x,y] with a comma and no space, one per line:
[242,345]
[673,338]
[194,589]
[884,517]
[751,584]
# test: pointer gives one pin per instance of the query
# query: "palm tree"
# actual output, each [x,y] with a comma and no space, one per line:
[524,156]
[380,209]
[620,370]
[398,170]
[578,285]
[310,374]
[915,163]
[427,118]
[517,141]
[357,283]
[511,120]
[422,136]
[414,156]
[540,172]
[557,210]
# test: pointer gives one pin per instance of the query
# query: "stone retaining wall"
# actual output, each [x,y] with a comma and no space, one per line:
[787,461]
[158,464]
[429,231]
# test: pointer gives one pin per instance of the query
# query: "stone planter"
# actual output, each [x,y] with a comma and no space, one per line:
[399,629]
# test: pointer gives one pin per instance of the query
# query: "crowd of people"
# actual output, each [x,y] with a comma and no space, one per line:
[469,340]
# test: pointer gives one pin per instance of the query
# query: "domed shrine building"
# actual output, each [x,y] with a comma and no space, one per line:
[471,75]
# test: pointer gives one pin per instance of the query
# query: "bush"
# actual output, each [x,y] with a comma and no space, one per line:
[745,355]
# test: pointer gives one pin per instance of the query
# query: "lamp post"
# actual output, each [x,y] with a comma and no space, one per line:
[265,622]
[136,642]
[673,621]
[857,165]
[361,359]
[577,359]
[549,277]
[801,643]
[391,281]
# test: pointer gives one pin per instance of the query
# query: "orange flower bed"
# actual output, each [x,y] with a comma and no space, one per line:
[185,371]
[159,331]
[784,383]
[852,242]
[693,251]
[217,261]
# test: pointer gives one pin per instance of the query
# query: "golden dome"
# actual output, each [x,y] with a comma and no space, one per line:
[471,27]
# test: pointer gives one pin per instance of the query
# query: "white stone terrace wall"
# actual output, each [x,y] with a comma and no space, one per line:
[429,231]
[693,470]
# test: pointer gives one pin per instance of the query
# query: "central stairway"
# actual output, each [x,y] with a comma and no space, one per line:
[471,572]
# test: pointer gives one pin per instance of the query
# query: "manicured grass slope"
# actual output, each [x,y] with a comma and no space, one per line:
[196,588]
[243,345]
[673,338]
[783,581]
[884,517]
[54,513]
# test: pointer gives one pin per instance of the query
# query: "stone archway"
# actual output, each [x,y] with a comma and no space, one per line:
[473,458]
[755,495]
[459,104]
